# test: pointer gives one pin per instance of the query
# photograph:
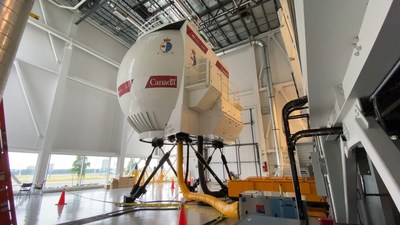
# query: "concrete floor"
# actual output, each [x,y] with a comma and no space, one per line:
[42,210]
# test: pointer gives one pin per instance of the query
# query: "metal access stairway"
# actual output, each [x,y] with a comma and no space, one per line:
[7,209]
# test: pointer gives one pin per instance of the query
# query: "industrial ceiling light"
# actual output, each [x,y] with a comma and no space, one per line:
[247,20]
[120,14]
[111,4]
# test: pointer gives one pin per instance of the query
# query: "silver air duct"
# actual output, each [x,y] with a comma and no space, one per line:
[14,14]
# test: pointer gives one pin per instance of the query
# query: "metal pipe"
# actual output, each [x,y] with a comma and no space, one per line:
[68,7]
[387,78]
[233,47]
[241,144]
[255,153]
[14,14]
[271,97]
[287,109]
[290,107]
[315,132]
[228,210]
[237,159]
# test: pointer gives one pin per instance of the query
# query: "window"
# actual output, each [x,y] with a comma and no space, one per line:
[129,165]
[22,167]
[113,168]
[60,172]
[77,170]
[97,170]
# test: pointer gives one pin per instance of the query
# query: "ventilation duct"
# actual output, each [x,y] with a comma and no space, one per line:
[14,14]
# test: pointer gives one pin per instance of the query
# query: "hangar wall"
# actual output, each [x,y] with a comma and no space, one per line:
[61,95]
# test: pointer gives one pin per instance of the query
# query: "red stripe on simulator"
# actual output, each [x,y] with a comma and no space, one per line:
[196,39]
[125,88]
[222,69]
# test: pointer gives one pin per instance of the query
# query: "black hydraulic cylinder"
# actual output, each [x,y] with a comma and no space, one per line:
[142,189]
[170,164]
[137,185]
[201,169]
[203,161]
[226,165]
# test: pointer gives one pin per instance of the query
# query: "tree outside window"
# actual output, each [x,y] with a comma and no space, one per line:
[79,167]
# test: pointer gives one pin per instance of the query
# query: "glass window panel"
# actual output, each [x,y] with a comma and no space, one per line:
[22,167]
[60,172]
[96,171]
[113,169]
[130,163]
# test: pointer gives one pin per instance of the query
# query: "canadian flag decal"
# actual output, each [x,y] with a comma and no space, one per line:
[125,87]
[162,81]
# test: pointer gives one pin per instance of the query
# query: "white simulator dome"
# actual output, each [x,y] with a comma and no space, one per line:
[170,81]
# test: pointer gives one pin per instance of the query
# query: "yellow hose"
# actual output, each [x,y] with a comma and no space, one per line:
[228,210]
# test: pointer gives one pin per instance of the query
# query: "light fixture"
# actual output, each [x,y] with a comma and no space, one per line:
[111,4]
[247,20]
[394,137]
[120,14]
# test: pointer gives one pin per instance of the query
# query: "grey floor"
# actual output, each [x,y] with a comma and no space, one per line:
[42,210]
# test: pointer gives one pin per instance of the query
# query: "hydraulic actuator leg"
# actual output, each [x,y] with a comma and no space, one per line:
[224,188]
[138,190]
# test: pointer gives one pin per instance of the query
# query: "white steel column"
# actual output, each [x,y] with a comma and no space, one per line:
[349,183]
[381,150]
[49,137]
[125,138]
[333,163]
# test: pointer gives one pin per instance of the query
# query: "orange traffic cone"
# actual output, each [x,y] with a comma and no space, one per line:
[182,216]
[62,198]
[189,179]
[173,184]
